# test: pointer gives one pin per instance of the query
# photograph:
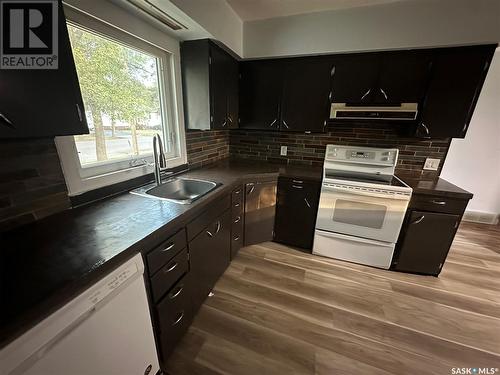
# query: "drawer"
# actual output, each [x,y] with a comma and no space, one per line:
[173,332]
[167,276]
[175,305]
[236,238]
[212,211]
[432,203]
[157,258]
[237,195]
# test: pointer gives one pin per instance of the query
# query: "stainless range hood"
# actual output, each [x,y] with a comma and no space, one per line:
[404,111]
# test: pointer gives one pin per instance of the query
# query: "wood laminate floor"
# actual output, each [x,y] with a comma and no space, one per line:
[280,311]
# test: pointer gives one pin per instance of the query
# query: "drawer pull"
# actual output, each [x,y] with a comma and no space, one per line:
[236,238]
[307,202]
[419,220]
[441,203]
[297,181]
[237,191]
[176,293]
[172,267]
[297,187]
[169,247]
[237,220]
[178,320]
[236,205]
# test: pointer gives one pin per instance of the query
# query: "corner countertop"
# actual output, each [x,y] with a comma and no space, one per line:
[435,186]
[47,263]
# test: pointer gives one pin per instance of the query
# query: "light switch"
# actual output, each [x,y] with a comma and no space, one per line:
[431,164]
[283,151]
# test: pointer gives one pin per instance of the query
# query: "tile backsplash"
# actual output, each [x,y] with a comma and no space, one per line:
[32,184]
[309,149]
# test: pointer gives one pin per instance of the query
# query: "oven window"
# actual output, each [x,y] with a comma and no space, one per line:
[359,213]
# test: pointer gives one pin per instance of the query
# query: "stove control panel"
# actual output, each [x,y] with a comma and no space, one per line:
[363,155]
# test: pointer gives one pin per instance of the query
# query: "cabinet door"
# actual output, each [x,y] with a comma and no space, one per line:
[43,103]
[209,257]
[305,103]
[260,94]
[457,78]
[219,81]
[403,77]
[354,77]
[296,210]
[232,93]
[426,239]
[260,208]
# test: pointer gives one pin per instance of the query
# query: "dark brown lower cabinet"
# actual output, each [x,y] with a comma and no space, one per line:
[425,242]
[296,209]
[209,257]
[260,208]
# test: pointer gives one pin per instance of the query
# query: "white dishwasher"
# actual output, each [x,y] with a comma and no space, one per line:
[106,330]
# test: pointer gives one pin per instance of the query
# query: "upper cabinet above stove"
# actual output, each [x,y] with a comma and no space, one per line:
[43,102]
[210,86]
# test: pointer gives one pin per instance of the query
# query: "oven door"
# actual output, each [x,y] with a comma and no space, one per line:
[361,213]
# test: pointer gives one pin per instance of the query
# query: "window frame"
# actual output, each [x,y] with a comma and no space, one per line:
[81,179]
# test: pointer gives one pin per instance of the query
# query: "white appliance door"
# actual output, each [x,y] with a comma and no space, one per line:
[105,331]
[362,214]
[353,249]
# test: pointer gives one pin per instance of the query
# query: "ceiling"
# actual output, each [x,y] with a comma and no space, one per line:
[250,10]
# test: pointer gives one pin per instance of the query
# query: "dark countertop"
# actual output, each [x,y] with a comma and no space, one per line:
[435,186]
[47,263]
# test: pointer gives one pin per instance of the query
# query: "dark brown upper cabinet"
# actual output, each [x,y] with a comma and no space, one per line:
[210,86]
[385,78]
[43,102]
[285,94]
[457,76]
[260,94]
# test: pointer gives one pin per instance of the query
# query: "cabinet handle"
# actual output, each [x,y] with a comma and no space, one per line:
[236,238]
[171,268]
[252,188]
[224,123]
[366,94]
[425,128]
[237,191]
[237,204]
[330,96]
[441,203]
[297,181]
[218,227]
[332,72]
[177,292]
[272,123]
[79,112]
[419,220]
[297,187]
[169,247]
[307,202]
[6,120]
[286,125]
[238,219]
[178,320]
[383,93]
[230,119]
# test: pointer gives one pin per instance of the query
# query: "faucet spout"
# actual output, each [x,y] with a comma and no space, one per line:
[160,162]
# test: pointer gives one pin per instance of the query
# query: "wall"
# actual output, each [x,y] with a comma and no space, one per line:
[474,162]
[412,23]
[217,18]
[206,147]
[31,182]
[309,149]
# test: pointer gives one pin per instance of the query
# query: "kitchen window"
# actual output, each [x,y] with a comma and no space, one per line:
[127,86]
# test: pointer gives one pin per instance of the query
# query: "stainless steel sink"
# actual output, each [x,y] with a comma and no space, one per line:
[178,190]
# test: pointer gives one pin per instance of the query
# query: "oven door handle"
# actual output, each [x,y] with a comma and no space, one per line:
[329,188]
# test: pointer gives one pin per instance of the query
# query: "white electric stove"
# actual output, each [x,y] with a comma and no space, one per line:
[362,205]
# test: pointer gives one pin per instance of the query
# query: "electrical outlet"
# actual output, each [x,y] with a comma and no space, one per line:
[283,151]
[431,164]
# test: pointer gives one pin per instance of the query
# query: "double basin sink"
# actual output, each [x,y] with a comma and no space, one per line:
[177,190]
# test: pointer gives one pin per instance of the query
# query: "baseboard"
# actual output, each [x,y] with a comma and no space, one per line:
[481,217]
